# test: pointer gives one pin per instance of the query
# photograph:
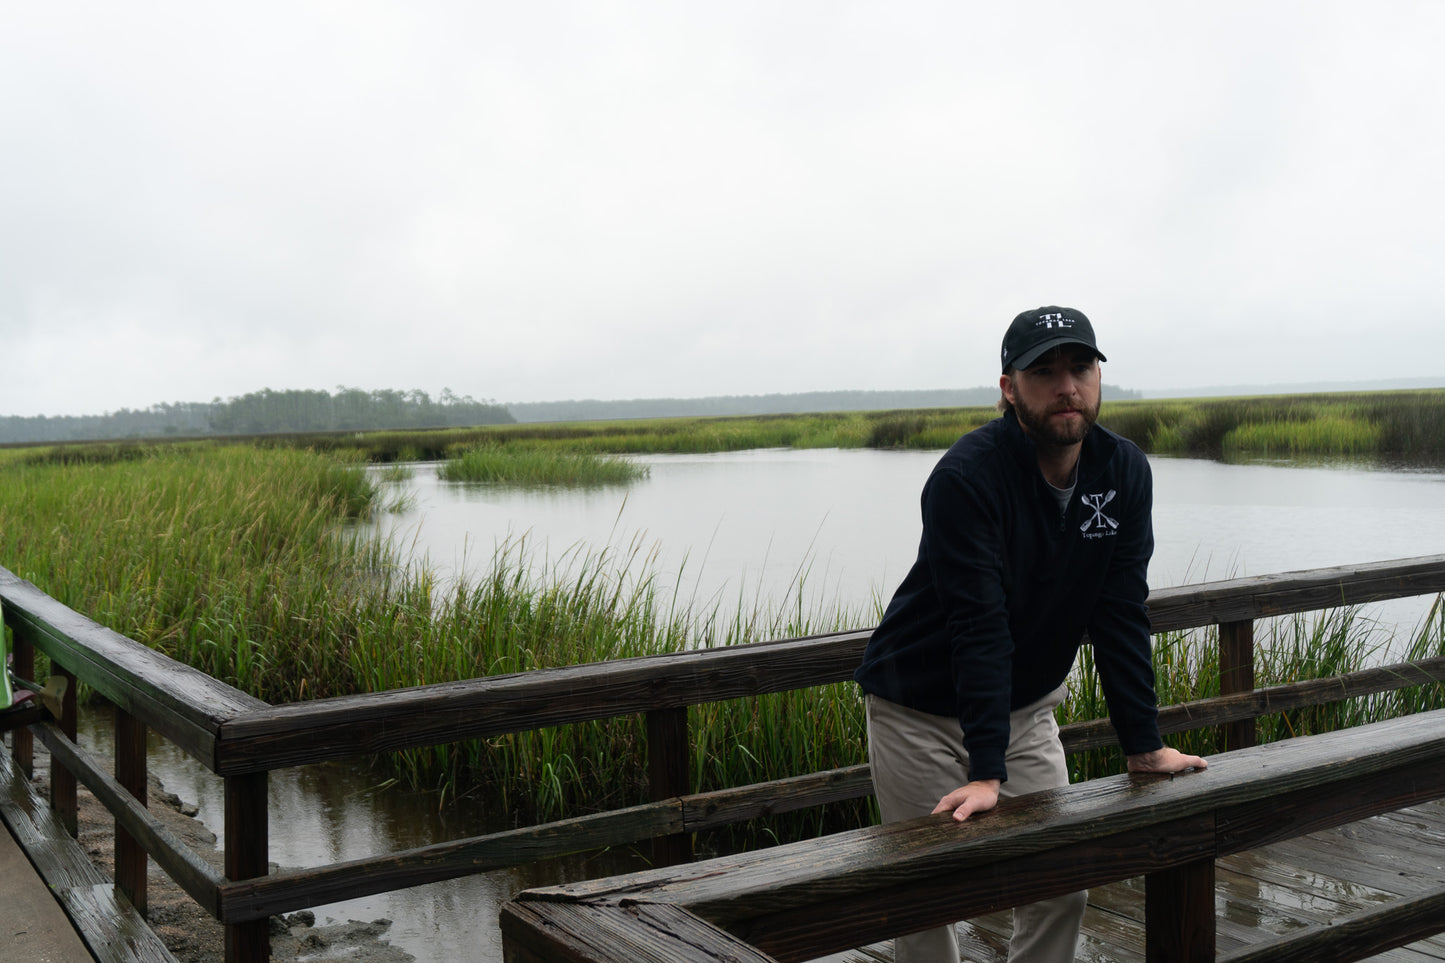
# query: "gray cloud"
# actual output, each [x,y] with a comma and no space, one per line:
[532,202]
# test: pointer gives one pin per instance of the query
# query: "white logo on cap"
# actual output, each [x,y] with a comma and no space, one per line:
[1055,320]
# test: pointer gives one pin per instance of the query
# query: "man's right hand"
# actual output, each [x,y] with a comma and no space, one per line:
[976,797]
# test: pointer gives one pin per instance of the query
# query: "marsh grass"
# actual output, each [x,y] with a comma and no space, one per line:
[528,466]
[236,560]
[1399,427]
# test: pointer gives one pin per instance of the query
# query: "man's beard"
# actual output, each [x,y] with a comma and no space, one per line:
[1047,432]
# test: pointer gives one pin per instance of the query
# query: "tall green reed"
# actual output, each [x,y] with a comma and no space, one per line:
[237,560]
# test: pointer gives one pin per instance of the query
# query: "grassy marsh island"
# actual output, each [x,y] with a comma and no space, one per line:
[517,465]
[238,558]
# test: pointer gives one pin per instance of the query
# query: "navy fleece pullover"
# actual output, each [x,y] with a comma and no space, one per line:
[991,616]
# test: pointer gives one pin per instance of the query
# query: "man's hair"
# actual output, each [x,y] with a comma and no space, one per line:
[1003,405]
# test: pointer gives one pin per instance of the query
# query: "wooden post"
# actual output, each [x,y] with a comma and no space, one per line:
[62,781]
[1179,914]
[23,747]
[130,772]
[247,856]
[1236,675]
[667,777]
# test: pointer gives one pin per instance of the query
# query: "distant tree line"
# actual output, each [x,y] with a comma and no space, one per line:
[262,412]
[772,404]
[351,409]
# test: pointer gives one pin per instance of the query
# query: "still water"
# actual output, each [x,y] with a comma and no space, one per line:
[749,527]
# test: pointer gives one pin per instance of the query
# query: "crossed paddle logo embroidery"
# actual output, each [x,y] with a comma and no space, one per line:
[1097,503]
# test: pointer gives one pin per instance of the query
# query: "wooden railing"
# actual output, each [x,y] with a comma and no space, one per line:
[242,739]
[807,899]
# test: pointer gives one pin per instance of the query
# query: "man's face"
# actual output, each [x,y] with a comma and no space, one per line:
[1057,399]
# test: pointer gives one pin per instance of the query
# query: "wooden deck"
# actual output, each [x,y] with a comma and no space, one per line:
[1265,892]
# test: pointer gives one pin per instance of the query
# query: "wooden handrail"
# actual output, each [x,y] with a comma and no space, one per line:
[243,738]
[328,729]
[181,703]
[825,895]
[296,889]
[234,733]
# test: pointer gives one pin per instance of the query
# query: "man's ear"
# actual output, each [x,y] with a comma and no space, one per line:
[1006,385]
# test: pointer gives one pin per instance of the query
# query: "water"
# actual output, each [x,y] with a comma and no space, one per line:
[747,527]
[742,525]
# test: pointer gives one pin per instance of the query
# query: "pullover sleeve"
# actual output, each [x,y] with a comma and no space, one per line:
[963,539]
[1120,631]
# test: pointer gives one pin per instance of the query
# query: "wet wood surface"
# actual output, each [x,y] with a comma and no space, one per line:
[804,900]
[110,928]
[1319,880]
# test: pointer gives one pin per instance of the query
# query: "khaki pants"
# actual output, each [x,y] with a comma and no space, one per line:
[918,758]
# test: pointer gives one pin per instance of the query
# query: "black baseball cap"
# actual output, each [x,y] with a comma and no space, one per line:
[1036,332]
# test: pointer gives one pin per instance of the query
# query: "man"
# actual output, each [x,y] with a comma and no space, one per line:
[1036,529]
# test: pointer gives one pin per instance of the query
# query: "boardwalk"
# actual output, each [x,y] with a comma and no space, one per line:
[1302,882]
[1306,881]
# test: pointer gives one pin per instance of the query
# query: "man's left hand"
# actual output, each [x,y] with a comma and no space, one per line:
[1164,760]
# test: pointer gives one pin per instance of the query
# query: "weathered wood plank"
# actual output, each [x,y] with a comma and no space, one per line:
[1260,897]
[281,892]
[247,851]
[1402,874]
[326,729]
[727,806]
[111,928]
[183,704]
[932,846]
[797,931]
[1424,822]
[1356,937]
[330,729]
[130,776]
[22,742]
[183,865]
[1236,675]
[1179,914]
[667,777]
[290,890]
[631,933]
[1221,710]
[1257,597]
[1295,812]
[780,897]
[63,798]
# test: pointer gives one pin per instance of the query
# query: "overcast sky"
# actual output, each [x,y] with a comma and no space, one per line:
[545,201]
